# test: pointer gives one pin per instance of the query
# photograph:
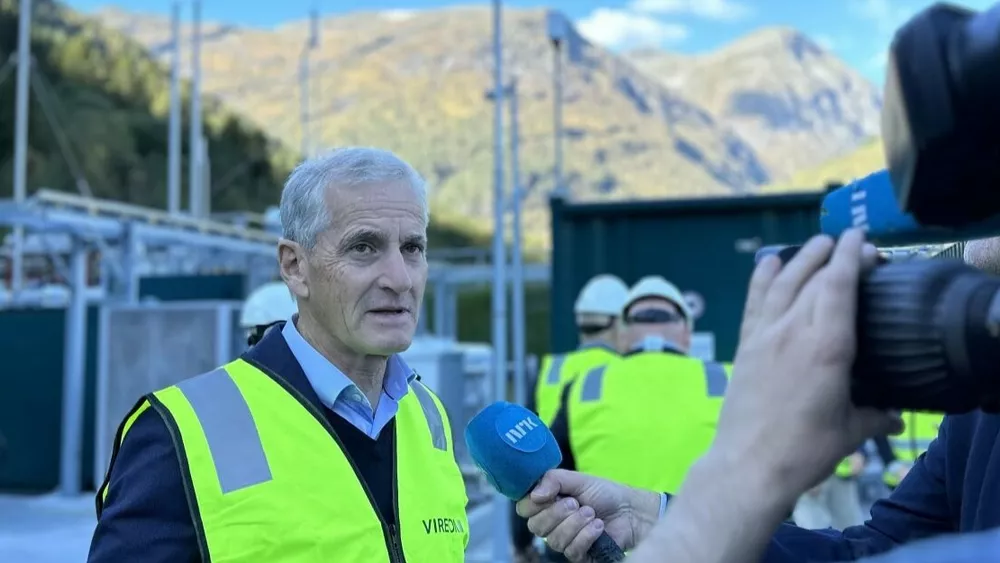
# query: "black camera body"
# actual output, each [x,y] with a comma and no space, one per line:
[928,330]
[941,114]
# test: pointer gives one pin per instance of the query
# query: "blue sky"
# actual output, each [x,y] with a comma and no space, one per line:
[857,30]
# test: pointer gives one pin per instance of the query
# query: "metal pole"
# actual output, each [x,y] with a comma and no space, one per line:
[501,505]
[440,309]
[71,451]
[304,103]
[205,165]
[314,139]
[517,258]
[194,142]
[557,118]
[174,140]
[129,283]
[21,140]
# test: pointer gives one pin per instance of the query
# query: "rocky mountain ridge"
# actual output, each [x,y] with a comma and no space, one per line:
[643,125]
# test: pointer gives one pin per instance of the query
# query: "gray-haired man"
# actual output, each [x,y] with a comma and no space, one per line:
[319,443]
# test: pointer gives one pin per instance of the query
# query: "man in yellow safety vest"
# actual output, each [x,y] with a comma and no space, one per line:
[319,443]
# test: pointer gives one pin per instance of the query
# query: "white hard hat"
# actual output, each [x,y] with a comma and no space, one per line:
[656,286]
[603,295]
[268,304]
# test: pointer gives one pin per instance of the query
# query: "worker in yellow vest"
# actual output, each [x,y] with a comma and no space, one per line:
[264,308]
[597,311]
[319,443]
[646,418]
[921,430]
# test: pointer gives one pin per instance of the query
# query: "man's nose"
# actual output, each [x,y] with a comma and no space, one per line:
[395,274]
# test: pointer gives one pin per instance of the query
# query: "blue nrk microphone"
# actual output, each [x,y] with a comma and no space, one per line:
[514,449]
[870,203]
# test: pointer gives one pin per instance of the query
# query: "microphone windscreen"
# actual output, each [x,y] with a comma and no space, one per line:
[512,446]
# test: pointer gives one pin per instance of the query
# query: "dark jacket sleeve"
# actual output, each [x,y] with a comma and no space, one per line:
[145,516]
[560,429]
[917,509]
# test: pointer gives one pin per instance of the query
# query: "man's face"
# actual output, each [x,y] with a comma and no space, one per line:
[654,316]
[364,280]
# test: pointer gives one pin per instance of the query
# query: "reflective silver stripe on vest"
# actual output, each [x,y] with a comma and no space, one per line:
[229,428]
[593,384]
[716,380]
[432,414]
[553,376]
[901,443]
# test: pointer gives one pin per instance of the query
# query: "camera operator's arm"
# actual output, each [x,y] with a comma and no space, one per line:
[918,508]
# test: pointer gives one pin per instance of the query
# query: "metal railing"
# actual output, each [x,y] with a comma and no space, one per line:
[51,199]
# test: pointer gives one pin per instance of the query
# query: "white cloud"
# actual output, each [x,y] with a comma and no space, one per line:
[620,28]
[886,16]
[727,10]
[879,60]
[397,15]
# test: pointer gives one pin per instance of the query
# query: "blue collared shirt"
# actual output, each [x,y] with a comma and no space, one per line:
[341,395]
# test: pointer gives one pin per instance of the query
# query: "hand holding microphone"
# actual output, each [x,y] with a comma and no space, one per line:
[515,450]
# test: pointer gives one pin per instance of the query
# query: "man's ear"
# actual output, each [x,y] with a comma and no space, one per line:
[294,267]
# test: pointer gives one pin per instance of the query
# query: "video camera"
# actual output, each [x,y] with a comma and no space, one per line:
[929,329]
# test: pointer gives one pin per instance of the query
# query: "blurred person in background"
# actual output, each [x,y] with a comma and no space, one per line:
[921,429]
[836,502]
[266,307]
[319,443]
[645,419]
[597,313]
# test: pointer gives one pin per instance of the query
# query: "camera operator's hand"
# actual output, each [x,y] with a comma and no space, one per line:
[570,510]
[787,419]
[789,400]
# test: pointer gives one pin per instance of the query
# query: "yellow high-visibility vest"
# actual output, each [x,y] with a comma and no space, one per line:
[844,469]
[559,370]
[645,419]
[921,430]
[271,482]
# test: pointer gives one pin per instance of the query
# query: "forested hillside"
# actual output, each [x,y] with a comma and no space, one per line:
[99,110]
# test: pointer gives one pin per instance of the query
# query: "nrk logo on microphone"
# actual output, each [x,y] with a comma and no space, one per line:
[521,430]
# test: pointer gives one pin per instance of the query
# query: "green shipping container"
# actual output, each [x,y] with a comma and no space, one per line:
[706,246]
[32,343]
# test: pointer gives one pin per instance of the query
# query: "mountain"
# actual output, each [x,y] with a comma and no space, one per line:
[796,103]
[414,82]
[864,160]
[98,118]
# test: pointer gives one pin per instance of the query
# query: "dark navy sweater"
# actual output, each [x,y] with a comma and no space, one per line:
[954,487]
